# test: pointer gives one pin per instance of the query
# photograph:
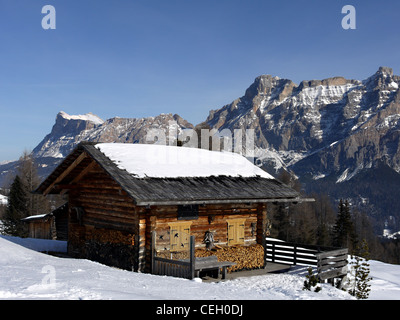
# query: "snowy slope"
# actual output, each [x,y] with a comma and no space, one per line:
[27,274]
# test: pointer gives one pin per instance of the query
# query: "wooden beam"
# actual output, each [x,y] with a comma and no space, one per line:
[81,175]
[84,172]
[66,172]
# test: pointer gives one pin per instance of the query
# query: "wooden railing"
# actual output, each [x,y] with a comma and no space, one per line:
[174,268]
[330,262]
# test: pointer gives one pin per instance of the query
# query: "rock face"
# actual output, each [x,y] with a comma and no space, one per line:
[318,128]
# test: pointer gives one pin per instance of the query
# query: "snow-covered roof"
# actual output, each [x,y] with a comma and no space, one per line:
[35,217]
[160,161]
[168,175]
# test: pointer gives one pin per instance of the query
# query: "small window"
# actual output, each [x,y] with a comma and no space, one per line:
[188,212]
[236,231]
[179,236]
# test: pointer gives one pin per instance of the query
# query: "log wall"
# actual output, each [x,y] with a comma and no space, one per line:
[114,231]
[107,230]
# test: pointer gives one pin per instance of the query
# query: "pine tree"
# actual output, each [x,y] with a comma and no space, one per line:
[312,281]
[16,210]
[325,216]
[343,232]
[360,271]
[282,222]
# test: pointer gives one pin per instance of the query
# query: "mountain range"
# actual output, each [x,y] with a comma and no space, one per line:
[338,135]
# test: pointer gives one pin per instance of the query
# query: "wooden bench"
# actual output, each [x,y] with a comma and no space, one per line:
[211,263]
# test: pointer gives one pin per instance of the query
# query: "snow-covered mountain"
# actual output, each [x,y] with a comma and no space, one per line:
[69,130]
[321,127]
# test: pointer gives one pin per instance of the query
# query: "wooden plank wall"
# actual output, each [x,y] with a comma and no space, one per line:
[40,229]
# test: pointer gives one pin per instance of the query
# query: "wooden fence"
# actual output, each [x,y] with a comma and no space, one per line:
[330,262]
[174,268]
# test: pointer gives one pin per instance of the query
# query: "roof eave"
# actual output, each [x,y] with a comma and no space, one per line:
[222,201]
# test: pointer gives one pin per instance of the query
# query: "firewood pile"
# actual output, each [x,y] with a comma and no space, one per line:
[246,257]
[111,236]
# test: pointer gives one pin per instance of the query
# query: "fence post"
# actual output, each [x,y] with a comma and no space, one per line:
[192,258]
[294,254]
[153,251]
[265,255]
[273,252]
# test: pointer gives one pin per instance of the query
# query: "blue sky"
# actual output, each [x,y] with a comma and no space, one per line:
[138,58]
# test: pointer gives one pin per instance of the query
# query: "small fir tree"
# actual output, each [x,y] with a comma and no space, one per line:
[312,281]
[16,210]
[360,271]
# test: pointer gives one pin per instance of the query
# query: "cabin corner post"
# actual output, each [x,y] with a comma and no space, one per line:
[150,229]
[192,257]
[136,240]
[262,227]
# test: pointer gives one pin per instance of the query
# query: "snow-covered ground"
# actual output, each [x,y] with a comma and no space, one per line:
[3,200]
[29,274]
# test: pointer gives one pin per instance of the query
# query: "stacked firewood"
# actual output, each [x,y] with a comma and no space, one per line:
[246,257]
[110,236]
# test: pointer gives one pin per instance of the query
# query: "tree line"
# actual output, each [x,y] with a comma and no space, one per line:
[22,202]
[328,223]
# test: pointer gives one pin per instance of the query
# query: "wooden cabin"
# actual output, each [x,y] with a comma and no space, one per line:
[121,196]
[53,225]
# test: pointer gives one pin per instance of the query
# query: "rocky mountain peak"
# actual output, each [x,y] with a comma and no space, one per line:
[74,123]
[383,79]
[266,85]
[385,71]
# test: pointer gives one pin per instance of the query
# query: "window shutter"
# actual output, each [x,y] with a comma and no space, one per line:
[236,231]
[231,233]
[179,235]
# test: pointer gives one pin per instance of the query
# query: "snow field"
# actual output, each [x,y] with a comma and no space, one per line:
[28,274]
